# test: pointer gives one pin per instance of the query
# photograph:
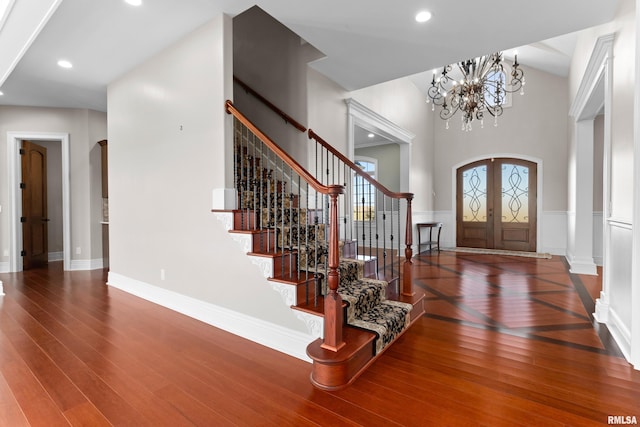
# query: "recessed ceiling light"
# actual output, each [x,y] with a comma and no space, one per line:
[371,135]
[63,63]
[423,16]
[134,2]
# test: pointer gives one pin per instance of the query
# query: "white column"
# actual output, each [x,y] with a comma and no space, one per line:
[582,258]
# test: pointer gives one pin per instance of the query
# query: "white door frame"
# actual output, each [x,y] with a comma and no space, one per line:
[594,94]
[14,140]
[361,116]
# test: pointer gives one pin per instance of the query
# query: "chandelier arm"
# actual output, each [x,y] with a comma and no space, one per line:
[446,113]
[496,110]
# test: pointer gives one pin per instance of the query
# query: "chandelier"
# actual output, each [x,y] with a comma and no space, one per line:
[481,87]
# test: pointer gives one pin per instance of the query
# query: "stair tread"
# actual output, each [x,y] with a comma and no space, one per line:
[354,338]
[272,254]
[294,279]
[388,319]
[248,231]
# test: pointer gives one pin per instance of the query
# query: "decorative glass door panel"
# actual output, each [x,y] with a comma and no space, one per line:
[515,193]
[496,205]
[474,193]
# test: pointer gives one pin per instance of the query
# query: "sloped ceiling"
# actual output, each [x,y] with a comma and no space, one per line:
[365,42]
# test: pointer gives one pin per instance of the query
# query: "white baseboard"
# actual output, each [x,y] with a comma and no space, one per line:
[620,334]
[582,265]
[86,264]
[279,338]
[56,256]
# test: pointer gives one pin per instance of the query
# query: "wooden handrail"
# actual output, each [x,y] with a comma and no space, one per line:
[287,118]
[304,174]
[366,176]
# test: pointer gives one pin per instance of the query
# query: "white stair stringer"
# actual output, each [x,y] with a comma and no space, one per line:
[226,218]
[287,292]
[313,323]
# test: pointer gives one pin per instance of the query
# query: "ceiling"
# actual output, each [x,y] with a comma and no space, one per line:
[365,41]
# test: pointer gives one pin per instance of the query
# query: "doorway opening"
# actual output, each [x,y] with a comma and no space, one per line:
[14,143]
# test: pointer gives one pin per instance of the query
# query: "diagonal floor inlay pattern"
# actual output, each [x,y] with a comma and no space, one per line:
[529,297]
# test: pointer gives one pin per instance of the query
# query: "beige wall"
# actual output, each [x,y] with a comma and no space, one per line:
[598,159]
[327,109]
[85,128]
[402,103]
[272,60]
[534,127]
[388,157]
[166,155]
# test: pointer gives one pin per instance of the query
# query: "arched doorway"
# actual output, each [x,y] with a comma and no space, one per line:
[496,204]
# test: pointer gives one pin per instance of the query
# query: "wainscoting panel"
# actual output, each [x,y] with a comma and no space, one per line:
[619,322]
[552,230]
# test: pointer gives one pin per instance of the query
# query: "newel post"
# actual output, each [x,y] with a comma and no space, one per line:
[333,314]
[408,253]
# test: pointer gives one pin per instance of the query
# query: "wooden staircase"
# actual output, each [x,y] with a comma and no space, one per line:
[293,224]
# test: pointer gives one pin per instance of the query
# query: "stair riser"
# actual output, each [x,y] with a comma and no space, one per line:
[245,220]
[306,292]
[263,242]
[285,265]
[333,377]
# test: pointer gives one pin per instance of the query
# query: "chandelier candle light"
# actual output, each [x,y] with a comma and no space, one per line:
[482,87]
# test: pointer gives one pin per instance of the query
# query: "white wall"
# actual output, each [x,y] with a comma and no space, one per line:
[167,145]
[85,128]
[616,304]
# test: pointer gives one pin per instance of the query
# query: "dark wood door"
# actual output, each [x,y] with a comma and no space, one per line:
[497,204]
[34,206]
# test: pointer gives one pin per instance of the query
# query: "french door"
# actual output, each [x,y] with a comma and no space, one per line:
[497,204]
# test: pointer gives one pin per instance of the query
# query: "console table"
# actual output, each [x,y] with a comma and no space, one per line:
[431,242]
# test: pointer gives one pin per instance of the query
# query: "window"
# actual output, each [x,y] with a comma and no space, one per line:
[364,194]
[492,97]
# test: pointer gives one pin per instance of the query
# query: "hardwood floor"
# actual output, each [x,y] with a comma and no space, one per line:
[505,341]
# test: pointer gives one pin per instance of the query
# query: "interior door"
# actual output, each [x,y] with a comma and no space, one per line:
[34,206]
[497,204]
